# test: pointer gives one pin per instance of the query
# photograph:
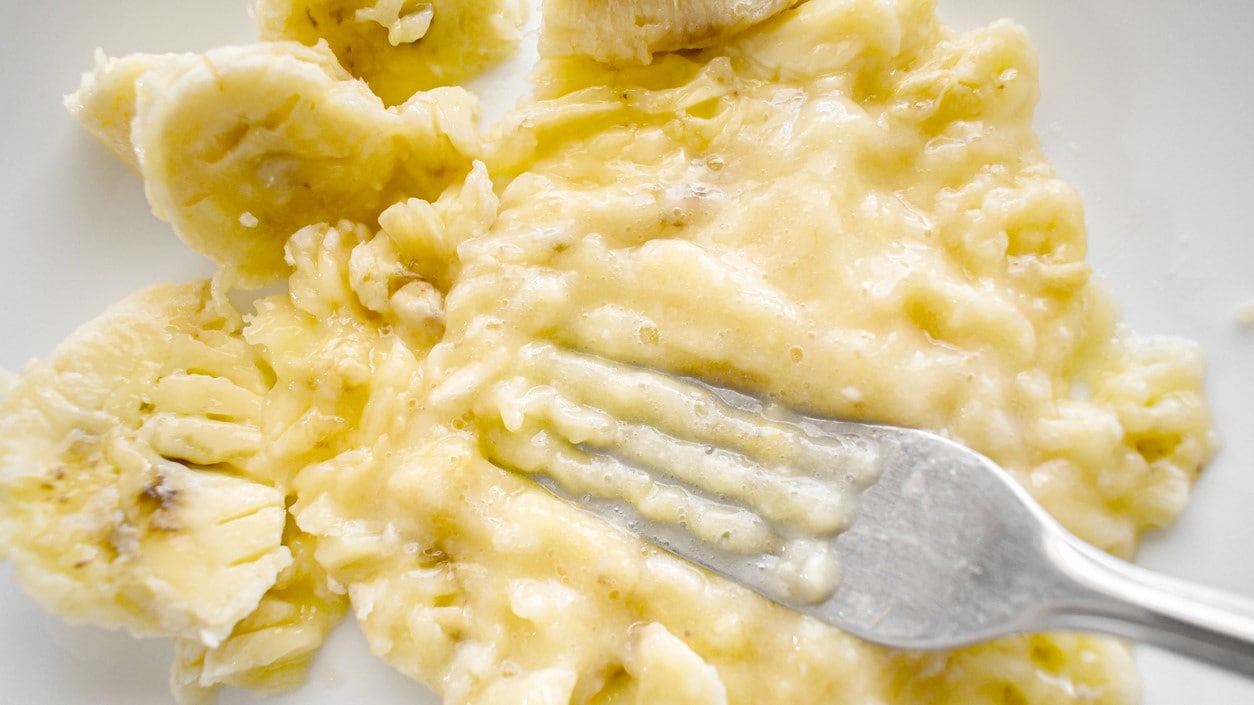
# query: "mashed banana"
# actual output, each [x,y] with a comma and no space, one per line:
[839,206]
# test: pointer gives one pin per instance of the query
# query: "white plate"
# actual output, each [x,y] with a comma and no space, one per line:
[1146,111]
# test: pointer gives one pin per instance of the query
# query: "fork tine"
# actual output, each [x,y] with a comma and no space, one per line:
[804,504]
[537,451]
[741,488]
[721,419]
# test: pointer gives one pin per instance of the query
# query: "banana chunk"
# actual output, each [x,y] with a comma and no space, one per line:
[101,525]
[631,31]
[242,146]
[401,47]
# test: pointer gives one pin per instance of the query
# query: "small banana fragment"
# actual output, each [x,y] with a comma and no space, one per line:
[242,146]
[270,649]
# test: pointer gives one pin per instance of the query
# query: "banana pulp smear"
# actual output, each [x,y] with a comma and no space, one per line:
[839,204]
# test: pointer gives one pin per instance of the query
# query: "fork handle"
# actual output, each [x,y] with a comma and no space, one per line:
[1118,598]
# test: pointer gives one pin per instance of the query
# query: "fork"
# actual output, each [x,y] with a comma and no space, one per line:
[896,535]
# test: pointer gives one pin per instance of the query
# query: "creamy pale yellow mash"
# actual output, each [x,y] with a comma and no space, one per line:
[839,206]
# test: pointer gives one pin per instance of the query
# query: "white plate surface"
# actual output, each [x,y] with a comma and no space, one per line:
[1146,108]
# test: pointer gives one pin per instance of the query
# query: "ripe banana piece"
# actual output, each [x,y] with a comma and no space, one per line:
[242,146]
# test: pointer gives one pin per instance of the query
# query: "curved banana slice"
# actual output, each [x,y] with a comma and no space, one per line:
[242,146]
[631,31]
[104,523]
[400,47]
